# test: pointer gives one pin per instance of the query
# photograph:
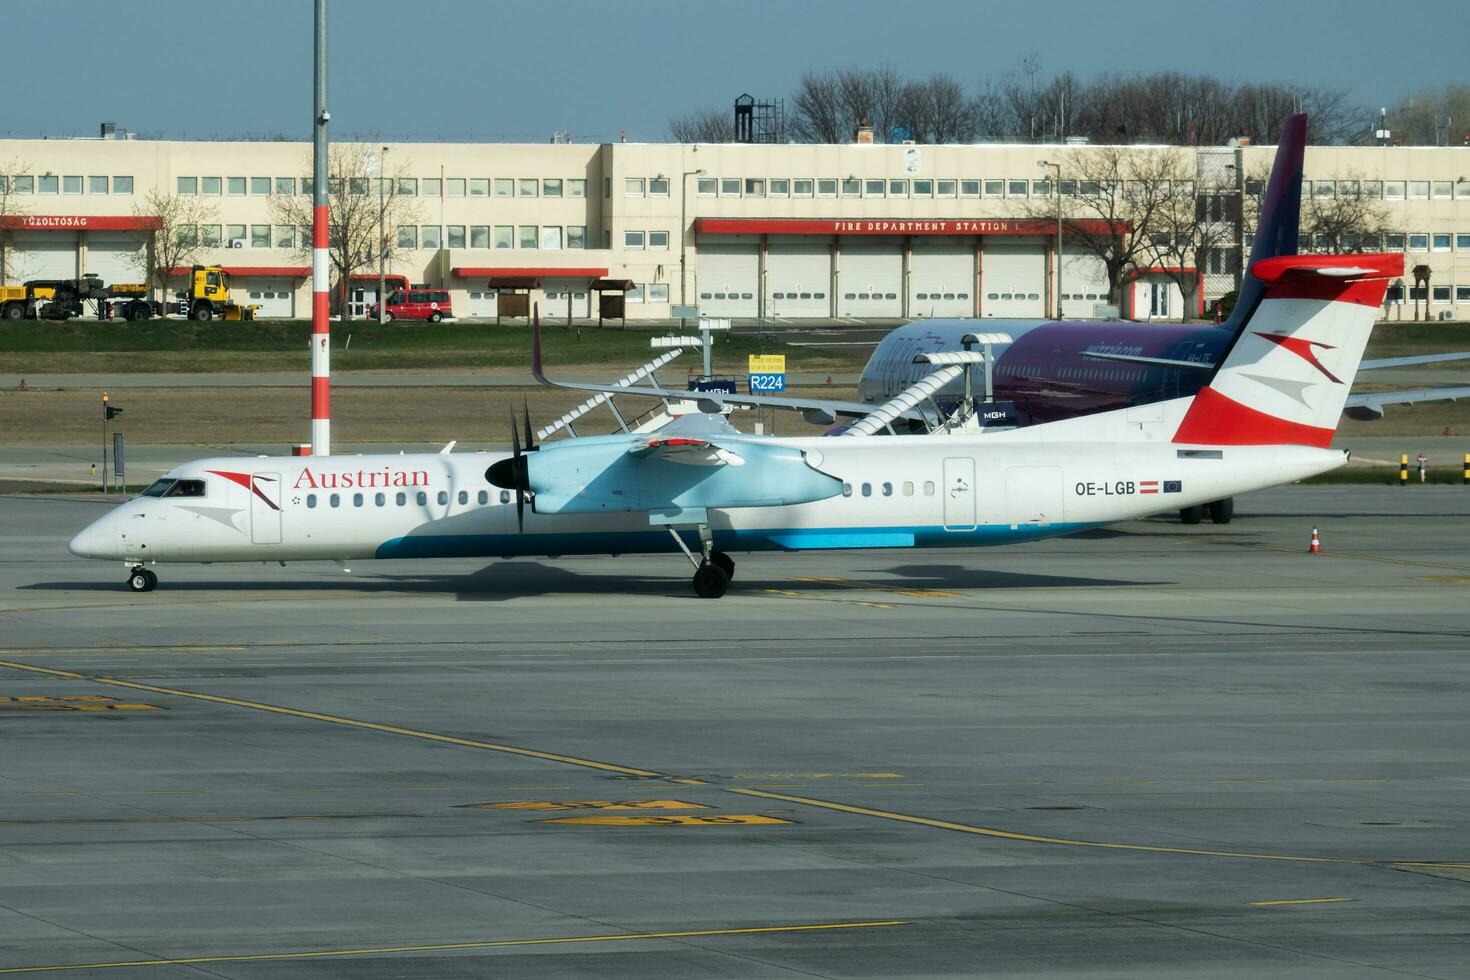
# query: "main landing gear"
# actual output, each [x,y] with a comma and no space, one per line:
[141,579]
[1219,512]
[712,575]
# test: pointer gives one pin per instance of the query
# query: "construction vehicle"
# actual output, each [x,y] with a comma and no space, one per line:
[62,299]
[208,296]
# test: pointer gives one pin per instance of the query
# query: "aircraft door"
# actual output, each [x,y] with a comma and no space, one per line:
[959,494]
[265,508]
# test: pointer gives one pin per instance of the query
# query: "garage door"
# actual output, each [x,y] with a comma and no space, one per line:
[113,256]
[42,255]
[481,303]
[561,292]
[798,278]
[871,280]
[1014,279]
[942,280]
[1084,285]
[728,274]
[275,296]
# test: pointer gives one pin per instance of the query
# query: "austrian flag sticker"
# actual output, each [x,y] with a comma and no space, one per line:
[1148,486]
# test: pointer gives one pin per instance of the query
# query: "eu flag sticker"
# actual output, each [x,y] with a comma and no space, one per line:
[1173,486]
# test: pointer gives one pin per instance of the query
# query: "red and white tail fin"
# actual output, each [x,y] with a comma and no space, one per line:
[1287,375]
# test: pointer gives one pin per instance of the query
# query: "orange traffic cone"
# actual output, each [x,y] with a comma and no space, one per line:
[1316,548]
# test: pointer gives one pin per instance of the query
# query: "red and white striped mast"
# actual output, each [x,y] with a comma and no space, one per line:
[321,326]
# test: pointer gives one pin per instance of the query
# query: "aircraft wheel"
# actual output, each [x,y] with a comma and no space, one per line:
[142,580]
[710,581]
[1192,515]
[1221,511]
[724,562]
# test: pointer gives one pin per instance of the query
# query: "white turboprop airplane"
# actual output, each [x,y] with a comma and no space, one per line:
[1265,417]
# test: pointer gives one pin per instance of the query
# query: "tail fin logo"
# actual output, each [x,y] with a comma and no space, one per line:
[1302,348]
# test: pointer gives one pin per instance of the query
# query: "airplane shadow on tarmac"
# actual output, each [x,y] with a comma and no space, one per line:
[505,580]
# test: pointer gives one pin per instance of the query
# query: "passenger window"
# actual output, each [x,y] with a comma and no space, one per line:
[908,488]
[443,497]
[484,496]
[505,496]
[928,488]
[379,499]
[847,489]
[310,501]
[401,499]
[887,489]
[357,500]
[423,498]
[335,500]
[867,489]
[464,497]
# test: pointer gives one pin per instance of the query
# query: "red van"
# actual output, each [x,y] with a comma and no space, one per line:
[416,304]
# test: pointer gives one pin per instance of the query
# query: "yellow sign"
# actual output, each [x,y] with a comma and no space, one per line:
[726,820]
[590,805]
[767,364]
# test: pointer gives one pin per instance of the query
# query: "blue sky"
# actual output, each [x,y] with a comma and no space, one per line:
[461,69]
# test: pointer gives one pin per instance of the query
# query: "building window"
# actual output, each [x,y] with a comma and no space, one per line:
[209,236]
[187,186]
[530,236]
[1371,189]
[634,295]
[285,186]
[1016,188]
[260,186]
[576,236]
[780,187]
[969,188]
[260,236]
[408,187]
[1418,241]
[211,186]
[632,239]
[454,235]
[96,185]
[71,184]
[528,187]
[1394,241]
[1442,190]
[1462,189]
[479,236]
[48,184]
[826,187]
[551,187]
[1441,241]
[1440,294]
[898,188]
[408,237]
[633,186]
[1041,188]
[851,187]
[658,292]
[1462,294]
[187,235]
[1326,190]
[429,186]
[1393,190]
[577,187]
[429,236]
[1462,241]
[454,187]
[235,233]
[729,186]
[706,187]
[22,184]
[285,236]
[874,188]
[551,238]
[235,186]
[801,187]
[924,188]
[505,236]
[658,187]
[1418,190]
[122,185]
[1348,189]
[358,186]
[306,184]
[755,187]
[1067,188]
[945,188]
[658,241]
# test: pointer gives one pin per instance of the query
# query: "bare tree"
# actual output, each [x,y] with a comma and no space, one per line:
[10,210]
[1343,220]
[937,110]
[183,232]
[355,211]
[711,125]
[1189,226]
[1112,198]
[1433,117]
[827,107]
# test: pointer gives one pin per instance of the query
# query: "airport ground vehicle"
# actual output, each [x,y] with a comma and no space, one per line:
[61,299]
[416,304]
[208,296]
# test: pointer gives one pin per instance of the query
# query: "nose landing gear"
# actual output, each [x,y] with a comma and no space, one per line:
[712,575]
[141,579]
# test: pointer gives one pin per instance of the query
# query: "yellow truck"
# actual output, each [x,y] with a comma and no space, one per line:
[208,296]
[62,299]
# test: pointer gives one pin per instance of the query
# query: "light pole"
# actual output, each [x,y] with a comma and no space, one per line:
[684,231]
[382,237]
[1056,189]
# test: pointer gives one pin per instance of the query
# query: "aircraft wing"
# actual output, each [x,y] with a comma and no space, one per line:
[1389,362]
[1368,406]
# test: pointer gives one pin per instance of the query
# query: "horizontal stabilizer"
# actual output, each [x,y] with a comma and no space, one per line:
[1151,361]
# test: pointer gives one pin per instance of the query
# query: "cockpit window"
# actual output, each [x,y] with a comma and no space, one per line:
[158,487]
[186,488]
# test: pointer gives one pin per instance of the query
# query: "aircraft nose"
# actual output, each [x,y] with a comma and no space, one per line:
[96,540]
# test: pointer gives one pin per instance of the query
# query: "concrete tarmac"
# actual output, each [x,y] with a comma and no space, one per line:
[1146,751]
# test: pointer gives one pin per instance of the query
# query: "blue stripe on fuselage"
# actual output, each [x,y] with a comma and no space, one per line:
[655,541]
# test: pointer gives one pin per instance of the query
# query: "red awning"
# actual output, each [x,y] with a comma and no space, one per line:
[80,222]
[266,271]
[539,272]
[889,226]
[612,285]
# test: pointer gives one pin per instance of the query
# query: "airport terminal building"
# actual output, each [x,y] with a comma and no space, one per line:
[780,231]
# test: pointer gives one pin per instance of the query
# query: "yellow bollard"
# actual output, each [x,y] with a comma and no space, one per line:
[1466,474]
[1403,469]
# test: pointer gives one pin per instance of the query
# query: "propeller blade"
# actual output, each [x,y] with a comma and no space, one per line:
[515,441]
[520,510]
[530,436]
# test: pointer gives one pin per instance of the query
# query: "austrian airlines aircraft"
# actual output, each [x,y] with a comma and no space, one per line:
[1265,417]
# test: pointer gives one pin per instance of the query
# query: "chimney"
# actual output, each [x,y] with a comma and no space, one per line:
[864,131]
[109,130]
